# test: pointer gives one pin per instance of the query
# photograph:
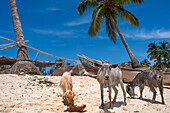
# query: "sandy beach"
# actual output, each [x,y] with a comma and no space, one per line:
[42,94]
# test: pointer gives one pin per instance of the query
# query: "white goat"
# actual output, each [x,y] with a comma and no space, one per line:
[109,75]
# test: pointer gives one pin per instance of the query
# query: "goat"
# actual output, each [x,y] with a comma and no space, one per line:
[149,78]
[66,85]
[109,75]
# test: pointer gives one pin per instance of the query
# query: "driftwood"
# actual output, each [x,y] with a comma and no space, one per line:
[10,61]
[76,108]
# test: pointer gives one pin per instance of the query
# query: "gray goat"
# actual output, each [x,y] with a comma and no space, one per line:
[148,78]
[109,75]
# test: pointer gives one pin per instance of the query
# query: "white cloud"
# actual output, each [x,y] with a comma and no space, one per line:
[45,10]
[78,22]
[143,34]
[102,37]
[53,9]
[66,33]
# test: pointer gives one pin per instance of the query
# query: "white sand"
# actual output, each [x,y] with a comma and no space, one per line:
[24,94]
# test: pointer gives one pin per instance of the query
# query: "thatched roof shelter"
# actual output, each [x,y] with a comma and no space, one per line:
[10,61]
[76,70]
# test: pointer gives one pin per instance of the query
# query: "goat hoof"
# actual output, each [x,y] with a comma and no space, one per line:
[152,101]
[110,106]
[140,98]
[113,101]
[163,103]
[124,104]
[101,107]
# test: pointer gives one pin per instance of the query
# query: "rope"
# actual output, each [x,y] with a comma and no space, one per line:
[3,45]
[6,46]
[37,50]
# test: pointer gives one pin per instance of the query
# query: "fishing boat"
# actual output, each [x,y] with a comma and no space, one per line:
[89,64]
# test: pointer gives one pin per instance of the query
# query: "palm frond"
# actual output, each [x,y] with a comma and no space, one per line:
[137,1]
[86,4]
[128,16]
[96,22]
[111,30]
[95,11]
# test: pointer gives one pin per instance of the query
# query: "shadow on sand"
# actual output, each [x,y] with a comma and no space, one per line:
[116,104]
[148,100]
[166,87]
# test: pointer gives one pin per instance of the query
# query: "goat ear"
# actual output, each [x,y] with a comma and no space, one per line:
[102,61]
[74,94]
[154,71]
[113,65]
[164,70]
[64,96]
[108,61]
[154,76]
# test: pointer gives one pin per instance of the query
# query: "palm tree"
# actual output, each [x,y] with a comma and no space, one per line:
[153,51]
[161,53]
[109,11]
[145,62]
[164,49]
[22,53]
[22,64]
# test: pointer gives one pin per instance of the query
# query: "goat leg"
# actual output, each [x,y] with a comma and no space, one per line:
[141,91]
[116,92]
[110,98]
[161,92]
[124,93]
[154,94]
[102,102]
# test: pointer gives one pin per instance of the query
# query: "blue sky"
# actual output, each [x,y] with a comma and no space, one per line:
[55,27]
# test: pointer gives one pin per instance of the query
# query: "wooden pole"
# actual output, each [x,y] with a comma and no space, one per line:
[37,50]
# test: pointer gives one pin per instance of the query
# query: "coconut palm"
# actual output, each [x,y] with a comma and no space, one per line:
[153,51]
[109,11]
[22,53]
[145,62]
[22,64]
[161,53]
[164,49]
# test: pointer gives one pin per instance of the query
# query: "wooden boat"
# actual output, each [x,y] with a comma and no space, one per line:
[128,74]
[90,65]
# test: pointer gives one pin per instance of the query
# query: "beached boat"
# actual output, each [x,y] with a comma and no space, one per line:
[89,64]
[128,74]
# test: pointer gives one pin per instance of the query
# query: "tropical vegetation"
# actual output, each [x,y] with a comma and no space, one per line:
[109,11]
[160,53]
[145,63]
[51,70]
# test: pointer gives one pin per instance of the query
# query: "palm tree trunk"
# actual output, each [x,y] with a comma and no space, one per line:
[135,62]
[22,64]
[22,53]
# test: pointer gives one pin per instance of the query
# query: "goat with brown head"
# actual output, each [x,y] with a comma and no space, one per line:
[68,98]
